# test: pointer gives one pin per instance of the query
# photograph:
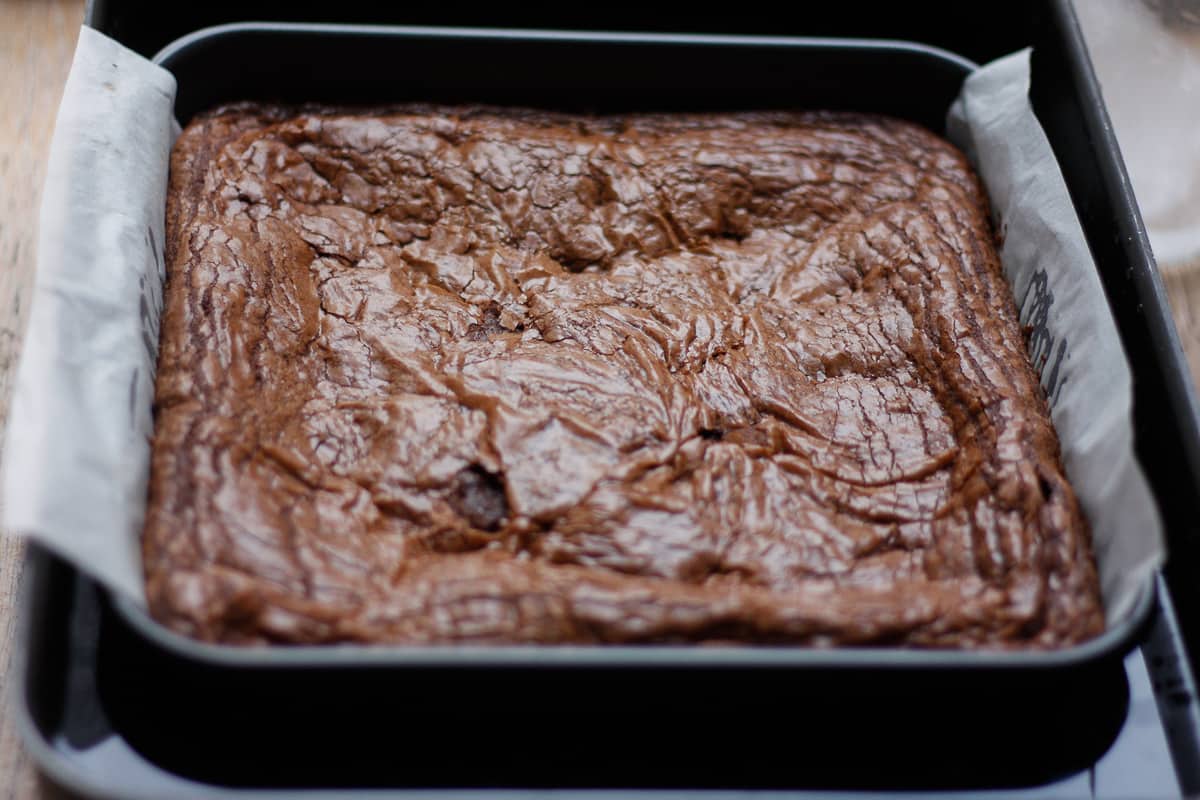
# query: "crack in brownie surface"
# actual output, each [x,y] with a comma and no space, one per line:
[477,375]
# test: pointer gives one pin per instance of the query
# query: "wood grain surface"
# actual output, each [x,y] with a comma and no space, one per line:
[37,38]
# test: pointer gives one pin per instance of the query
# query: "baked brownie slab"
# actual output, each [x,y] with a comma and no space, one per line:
[478,375]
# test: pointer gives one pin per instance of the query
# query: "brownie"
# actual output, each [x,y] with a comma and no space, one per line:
[463,374]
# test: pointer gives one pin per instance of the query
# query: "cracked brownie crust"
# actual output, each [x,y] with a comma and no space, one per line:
[471,375]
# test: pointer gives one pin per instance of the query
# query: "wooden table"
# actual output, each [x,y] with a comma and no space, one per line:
[37,38]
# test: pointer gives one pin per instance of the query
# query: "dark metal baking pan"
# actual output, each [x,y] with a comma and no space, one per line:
[448,687]
[206,711]
[1065,96]
[593,72]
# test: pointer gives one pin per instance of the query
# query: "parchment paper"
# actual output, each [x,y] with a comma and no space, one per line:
[1074,341]
[77,457]
[77,446]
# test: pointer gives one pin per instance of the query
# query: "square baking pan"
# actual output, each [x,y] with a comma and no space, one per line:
[600,73]
[980,711]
